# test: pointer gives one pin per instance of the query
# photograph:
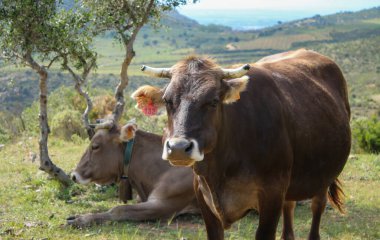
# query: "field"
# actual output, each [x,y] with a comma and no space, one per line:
[34,207]
[351,39]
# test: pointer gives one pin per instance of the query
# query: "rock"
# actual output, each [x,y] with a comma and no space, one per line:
[32,156]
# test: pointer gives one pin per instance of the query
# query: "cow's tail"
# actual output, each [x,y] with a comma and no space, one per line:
[336,195]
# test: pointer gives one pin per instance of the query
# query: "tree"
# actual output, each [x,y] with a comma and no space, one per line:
[75,47]
[27,30]
[126,18]
[35,32]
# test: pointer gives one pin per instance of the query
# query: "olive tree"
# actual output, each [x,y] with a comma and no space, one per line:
[37,33]
[76,53]
[126,18]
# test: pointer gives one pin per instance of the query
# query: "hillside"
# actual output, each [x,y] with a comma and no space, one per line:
[350,38]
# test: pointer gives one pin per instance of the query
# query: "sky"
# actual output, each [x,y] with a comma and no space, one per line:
[317,5]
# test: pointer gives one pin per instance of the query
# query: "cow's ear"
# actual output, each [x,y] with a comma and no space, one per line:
[127,132]
[149,99]
[234,88]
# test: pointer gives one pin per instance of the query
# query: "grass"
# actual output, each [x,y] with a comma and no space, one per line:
[278,42]
[33,206]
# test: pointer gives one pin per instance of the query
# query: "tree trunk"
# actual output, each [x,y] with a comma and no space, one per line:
[129,55]
[46,164]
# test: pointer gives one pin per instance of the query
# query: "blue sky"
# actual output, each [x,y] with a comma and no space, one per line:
[317,5]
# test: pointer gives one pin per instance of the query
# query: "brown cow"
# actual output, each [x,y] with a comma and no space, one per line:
[265,140]
[165,191]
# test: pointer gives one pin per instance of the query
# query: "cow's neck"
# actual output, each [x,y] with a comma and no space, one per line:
[220,166]
[147,151]
[127,157]
[223,155]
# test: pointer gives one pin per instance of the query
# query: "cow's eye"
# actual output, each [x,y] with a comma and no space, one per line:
[214,103]
[168,102]
[95,146]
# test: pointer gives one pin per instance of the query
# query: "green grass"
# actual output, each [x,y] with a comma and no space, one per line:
[32,206]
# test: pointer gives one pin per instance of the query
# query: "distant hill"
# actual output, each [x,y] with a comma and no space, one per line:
[350,38]
[175,19]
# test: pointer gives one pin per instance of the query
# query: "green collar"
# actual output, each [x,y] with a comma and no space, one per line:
[128,153]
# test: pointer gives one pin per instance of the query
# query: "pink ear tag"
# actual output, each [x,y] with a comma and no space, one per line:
[149,109]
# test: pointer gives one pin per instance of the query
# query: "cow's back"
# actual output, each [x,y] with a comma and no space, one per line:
[299,111]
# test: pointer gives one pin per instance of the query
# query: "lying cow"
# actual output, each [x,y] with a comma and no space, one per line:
[165,191]
[278,135]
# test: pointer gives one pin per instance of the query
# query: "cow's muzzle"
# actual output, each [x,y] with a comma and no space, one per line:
[77,178]
[182,151]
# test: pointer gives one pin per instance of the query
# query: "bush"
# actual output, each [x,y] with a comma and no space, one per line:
[10,126]
[30,116]
[102,106]
[67,123]
[4,137]
[367,134]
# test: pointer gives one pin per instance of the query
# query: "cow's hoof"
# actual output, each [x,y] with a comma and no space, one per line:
[77,221]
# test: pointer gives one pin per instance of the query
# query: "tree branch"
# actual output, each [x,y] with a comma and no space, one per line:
[79,81]
[52,61]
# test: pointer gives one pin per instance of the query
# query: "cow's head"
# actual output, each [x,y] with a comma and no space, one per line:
[102,162]
[194,97]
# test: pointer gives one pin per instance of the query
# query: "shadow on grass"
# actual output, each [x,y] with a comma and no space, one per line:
[359,223]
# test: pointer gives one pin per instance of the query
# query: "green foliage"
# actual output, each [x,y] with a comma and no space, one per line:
[367,134]
[25,26]
[10,126]
[67,123]
[62,99]
[4,136]
[45,28]
[127,17]
[30,116]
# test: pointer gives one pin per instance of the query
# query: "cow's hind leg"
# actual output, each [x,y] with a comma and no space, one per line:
[270,207]
[287,218]
[318,205]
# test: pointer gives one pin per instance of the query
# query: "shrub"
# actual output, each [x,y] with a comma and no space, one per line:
[30,116]
[67,123]
[11,126]
[367,134]
[4,137]
[102,106]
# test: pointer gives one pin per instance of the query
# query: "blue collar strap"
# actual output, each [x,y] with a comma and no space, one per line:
[128,153]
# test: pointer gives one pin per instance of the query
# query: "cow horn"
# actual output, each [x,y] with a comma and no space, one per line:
[236,72]
[106,124]
[157,72]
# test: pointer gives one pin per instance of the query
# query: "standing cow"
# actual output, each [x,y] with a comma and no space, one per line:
[165,191]
[278,135]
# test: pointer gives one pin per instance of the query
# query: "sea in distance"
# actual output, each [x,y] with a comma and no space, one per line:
[246,19]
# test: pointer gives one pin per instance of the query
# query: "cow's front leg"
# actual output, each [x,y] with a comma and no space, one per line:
[288,216]
[270,207]
[89,219]
[214,227]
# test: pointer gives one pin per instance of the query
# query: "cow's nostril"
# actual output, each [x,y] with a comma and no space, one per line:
[74,178]
[190,147]
[168,144]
